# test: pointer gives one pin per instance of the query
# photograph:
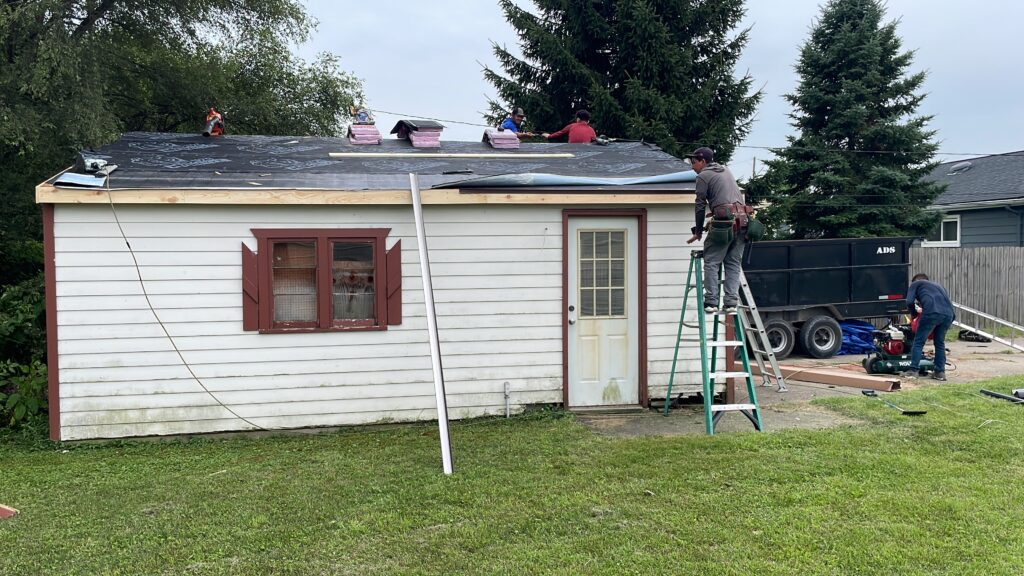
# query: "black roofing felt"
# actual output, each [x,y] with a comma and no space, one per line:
[187,161]
[989,178]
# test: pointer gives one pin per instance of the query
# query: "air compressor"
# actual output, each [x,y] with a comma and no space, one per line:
[892,351]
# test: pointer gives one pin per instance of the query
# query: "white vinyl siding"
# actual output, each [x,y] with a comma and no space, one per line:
[498,290]
[497,280]
[668,261]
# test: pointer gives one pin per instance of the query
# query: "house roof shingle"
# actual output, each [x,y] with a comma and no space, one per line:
[988,179]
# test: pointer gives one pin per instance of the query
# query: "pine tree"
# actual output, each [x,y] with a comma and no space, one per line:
[855,167]
[657,70]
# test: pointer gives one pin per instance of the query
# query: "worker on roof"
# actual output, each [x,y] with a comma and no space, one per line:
[727,231]
[514,124]
[579,131]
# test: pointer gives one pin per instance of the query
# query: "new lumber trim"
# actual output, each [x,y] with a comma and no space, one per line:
[504,155]
[48,194]
[837,377]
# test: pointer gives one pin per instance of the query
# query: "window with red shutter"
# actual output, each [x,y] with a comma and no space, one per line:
[311,280]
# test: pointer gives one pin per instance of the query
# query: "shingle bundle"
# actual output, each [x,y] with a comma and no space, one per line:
[420,133]
[364,134]
[502,139]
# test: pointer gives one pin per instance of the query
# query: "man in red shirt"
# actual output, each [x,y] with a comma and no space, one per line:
[579,131]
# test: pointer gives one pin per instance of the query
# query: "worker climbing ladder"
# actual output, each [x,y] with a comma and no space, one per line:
[709,348]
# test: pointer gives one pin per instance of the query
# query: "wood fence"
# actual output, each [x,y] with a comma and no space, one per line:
[988,279]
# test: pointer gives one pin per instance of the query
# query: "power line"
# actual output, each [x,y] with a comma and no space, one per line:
[773,149]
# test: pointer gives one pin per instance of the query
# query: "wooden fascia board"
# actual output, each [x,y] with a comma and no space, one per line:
[48,194]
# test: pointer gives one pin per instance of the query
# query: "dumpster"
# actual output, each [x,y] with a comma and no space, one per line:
[804,288]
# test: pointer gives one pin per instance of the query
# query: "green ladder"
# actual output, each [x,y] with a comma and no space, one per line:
[709,352]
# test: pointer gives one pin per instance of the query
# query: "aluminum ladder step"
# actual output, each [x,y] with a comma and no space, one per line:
[732,407]
[717,376]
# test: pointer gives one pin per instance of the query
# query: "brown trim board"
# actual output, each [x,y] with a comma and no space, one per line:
[641,215]
[52,365]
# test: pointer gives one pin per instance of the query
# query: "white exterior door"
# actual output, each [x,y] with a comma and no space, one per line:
[603,311]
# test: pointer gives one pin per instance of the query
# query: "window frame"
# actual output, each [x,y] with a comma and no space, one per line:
[942,243]
[323,238]
[609,258]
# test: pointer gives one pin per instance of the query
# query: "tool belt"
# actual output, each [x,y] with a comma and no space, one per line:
[728,220]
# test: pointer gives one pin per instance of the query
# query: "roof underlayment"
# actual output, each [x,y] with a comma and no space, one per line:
[190,161]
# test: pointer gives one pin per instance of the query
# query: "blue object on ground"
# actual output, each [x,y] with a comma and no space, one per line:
[857,337]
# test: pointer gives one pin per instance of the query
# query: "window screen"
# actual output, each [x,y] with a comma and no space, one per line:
[294,281]
[950,231]
[353,281]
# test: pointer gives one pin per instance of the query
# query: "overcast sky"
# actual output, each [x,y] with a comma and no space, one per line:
[425,58]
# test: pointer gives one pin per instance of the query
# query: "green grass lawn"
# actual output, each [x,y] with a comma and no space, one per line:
[938,494]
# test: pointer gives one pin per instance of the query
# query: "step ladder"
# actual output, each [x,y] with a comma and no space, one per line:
[709,353]
[760,344]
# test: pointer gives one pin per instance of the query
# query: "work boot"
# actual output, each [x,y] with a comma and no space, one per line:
[711,309]
[729,309]
[939,376]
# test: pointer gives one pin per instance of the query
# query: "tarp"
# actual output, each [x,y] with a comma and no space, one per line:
[527,180]
[856,337]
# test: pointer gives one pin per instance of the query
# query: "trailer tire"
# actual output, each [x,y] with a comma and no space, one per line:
[821,337]
[781,337]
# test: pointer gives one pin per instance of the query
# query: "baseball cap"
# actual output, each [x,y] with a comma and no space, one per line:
[703,153]
[518,112]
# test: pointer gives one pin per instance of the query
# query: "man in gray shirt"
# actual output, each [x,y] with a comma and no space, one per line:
[717,190]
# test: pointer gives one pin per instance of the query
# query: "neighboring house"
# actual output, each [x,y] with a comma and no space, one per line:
[983,204]
[243,282]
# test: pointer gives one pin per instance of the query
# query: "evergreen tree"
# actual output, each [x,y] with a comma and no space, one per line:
[855,168]
[657,70]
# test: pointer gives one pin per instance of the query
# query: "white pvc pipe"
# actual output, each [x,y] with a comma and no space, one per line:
[435,344]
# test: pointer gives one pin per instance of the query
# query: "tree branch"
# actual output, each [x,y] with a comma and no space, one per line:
[91,17]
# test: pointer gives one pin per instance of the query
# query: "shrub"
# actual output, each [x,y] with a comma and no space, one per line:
[23,321]
[22,351]
[22,391]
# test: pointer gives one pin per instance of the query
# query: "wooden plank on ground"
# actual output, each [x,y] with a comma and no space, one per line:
[837,377]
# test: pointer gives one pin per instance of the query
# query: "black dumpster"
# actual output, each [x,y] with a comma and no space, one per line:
[804,287]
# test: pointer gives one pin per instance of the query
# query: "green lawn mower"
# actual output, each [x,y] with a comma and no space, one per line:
[892,351]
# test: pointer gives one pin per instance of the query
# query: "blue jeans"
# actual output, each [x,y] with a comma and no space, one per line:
[940,323]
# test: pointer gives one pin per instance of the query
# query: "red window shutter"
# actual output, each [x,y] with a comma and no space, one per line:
[250,290]
[394,283]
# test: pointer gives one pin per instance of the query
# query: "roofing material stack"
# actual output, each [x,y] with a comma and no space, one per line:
[501,139]
[420,133]
[426,138]
[364,134]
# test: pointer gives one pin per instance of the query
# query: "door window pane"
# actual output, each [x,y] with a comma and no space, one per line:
[586,244]
[600,244]
[586,302]
[353,281]
[618,244]
[294,281]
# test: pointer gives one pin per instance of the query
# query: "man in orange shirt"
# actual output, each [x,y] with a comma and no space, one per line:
[579,131]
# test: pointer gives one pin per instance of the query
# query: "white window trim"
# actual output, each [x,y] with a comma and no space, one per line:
[946,243]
